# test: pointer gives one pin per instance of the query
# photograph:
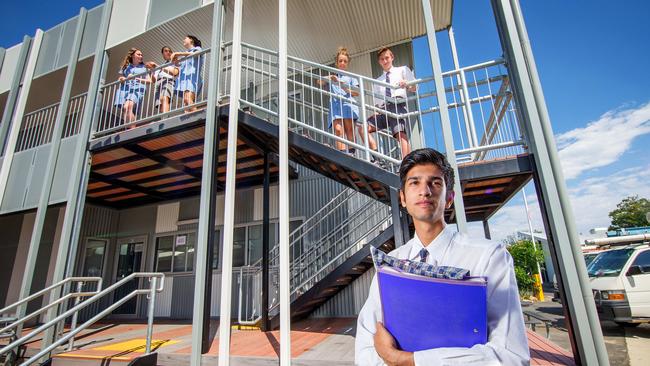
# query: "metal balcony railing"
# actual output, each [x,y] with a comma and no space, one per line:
[37,126]
[148,92]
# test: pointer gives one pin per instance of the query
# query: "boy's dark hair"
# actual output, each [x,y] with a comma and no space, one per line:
[427,156]
[384,50]
[195,41]
[166,48]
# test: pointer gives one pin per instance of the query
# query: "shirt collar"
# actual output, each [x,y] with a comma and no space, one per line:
[438,244]
[392,68]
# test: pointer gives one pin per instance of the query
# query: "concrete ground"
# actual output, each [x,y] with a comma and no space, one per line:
[625,346]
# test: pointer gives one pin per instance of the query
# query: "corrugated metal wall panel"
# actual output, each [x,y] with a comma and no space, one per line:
[183,297]
[349,301]
[163,305]
[101,223]
[161,11]
[167,217]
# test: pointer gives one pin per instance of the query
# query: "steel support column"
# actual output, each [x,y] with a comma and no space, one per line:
[205,236]
[30,262]
[459,206]
[48,178]
[80,168]
[229,204]
[15,114]
[266,216]
[589,347]
[398,227]
[486,229]
[14,90]
[283,150]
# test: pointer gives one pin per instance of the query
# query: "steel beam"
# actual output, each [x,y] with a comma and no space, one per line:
[266,216]
[229,199]
[14,91]
[448,138]
[583,323]
[201,325]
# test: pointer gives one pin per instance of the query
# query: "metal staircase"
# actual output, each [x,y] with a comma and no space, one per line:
[328,251]
[326,257]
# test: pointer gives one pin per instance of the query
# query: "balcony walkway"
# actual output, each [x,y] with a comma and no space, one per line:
[314,342]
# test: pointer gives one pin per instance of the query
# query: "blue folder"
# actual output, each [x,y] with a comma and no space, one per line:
[423,313]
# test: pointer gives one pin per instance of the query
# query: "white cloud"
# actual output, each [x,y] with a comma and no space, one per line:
[591,199]
[602,142]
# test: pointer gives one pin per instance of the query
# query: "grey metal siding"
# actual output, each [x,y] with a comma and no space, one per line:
[161,11]
[349,301]
[183,297]
[65,46]
[17,182]
[98,222]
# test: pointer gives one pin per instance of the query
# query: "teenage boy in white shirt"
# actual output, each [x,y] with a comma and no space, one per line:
[427,190]
[395,101]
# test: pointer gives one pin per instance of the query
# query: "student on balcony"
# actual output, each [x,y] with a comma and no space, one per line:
[164,80]
[189,82]
[133,85]
[343,111]
[392,100]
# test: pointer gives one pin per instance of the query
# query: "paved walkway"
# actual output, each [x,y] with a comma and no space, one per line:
[313,342]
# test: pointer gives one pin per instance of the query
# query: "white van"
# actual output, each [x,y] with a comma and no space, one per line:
[620,281]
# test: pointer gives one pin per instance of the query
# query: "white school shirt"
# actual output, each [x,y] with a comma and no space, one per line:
[397,74]
[507,342]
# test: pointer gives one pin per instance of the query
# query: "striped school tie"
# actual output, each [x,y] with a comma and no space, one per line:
[388,91]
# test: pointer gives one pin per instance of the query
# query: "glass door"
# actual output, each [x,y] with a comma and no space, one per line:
[129,260]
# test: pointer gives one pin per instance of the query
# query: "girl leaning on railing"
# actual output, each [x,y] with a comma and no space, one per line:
[131,91]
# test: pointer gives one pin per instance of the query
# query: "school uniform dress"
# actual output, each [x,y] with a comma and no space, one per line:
[131,89]
[189,78]
[507,343]
[342,106]
[391,99]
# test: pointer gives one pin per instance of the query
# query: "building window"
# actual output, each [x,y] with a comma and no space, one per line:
[175,253]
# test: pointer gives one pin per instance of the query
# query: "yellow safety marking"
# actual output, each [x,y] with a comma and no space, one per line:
[92,357]
[136,345]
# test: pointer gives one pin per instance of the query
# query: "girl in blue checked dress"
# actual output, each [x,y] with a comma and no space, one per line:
[343,110]
[133,84]
[189,81]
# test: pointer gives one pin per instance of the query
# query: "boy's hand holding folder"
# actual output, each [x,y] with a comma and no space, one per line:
[426,306]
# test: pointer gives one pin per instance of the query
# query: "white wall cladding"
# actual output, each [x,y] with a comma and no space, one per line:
[128,19]
[167,217]
[349,301]
[9,67]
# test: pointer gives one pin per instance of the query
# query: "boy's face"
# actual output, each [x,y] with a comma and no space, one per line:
[167,54]
[386,60]
[425,194]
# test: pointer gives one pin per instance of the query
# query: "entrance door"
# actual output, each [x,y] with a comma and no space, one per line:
[129,260]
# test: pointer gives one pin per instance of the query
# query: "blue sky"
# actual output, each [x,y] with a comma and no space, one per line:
[592,57]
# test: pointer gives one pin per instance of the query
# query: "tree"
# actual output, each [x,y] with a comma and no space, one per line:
[525,258]
[630,212]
